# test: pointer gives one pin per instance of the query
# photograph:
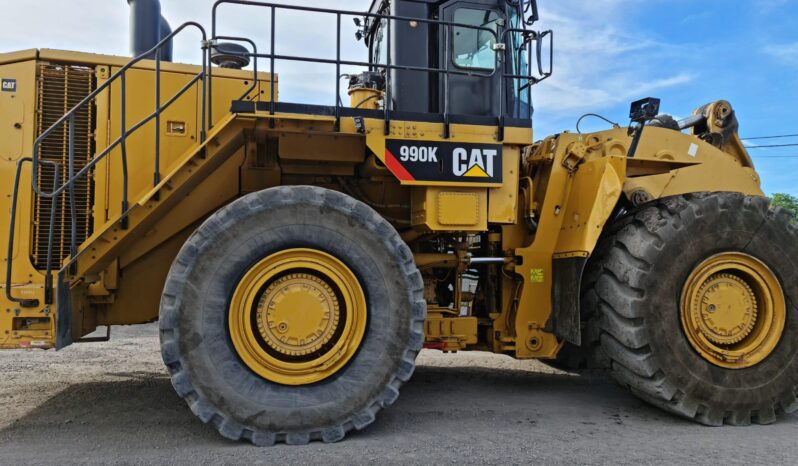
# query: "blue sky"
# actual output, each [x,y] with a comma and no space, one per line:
[687,53]
[608,53]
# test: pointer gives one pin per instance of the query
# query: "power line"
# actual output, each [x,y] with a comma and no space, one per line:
[781,136]
[771,146]
[776,156]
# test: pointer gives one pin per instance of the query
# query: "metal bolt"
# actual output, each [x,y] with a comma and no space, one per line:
[712,308]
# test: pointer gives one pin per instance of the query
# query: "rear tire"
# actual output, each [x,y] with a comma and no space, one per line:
[196,344]
[640,294]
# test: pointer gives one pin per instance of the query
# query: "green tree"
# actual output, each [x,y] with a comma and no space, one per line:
[788,202]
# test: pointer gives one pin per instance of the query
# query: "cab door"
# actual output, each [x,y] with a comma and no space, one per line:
[472,51]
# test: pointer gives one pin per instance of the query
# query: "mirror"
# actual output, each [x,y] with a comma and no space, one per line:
[544,53]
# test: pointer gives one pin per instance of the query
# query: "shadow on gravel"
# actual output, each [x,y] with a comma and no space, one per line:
[477,399]
[141,410]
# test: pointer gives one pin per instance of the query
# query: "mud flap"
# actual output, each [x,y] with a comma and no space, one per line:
[565,298]
[63,319]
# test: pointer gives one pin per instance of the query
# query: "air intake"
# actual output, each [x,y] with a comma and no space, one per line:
[60,88]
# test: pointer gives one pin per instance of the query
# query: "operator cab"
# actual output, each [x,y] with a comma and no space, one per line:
[481,50]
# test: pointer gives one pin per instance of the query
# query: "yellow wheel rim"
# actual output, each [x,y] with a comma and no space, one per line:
[733,310]
[297,317]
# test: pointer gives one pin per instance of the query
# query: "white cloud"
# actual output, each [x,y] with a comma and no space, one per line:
[784,53]
[600,63]
[87,25]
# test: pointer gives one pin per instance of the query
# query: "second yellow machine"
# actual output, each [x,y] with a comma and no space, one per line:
[299,256]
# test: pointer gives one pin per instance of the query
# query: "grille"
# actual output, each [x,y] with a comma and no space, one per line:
[60,88]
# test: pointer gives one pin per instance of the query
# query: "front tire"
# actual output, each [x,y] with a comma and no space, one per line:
[291,315]
[683,311]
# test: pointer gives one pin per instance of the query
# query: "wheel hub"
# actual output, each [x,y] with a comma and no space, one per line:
[297,317]
[726,309]
[298,314]
[733,310]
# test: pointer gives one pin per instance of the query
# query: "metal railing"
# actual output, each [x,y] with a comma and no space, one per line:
[446,71]
[13,228]
[68,119]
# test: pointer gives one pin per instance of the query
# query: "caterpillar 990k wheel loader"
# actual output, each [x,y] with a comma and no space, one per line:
[299,256]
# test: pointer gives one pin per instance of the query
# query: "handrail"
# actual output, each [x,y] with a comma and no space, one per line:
[69,119]
[125,131]
[12,232]
[273,56]
[500,35]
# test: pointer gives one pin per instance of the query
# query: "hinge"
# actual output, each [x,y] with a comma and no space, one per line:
[574,155]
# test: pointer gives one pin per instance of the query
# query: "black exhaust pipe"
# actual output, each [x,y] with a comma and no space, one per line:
[147,28]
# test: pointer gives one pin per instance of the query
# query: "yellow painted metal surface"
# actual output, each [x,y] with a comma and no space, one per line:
[597,186]
[17,132]
[18,56]
[18,110]
[572,197]
[450,209]
[112,239]
[185,111]
[664,165]
[449,333]
[503,201]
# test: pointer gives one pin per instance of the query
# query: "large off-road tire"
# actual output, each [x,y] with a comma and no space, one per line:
[723,372]
[223,384]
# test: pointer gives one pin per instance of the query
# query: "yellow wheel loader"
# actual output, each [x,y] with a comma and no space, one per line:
[298,256]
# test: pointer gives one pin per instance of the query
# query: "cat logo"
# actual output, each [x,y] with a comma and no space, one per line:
[9,85]
[477,164]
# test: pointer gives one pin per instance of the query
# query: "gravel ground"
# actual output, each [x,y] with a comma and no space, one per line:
[112,403]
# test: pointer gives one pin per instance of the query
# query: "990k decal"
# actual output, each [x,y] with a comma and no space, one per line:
[444,161]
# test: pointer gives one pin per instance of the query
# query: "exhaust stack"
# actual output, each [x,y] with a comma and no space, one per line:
[147,28]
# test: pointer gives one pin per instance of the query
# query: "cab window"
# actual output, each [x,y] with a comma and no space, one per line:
[519,67]
[473,48]
[380,45]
